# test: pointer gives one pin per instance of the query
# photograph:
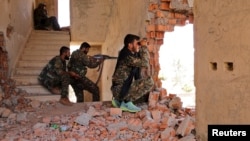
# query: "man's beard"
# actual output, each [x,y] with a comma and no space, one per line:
[86,52]
[66,57]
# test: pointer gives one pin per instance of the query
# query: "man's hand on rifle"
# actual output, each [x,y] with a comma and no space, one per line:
[145,72]
[75,75]
[96,59]
[100,60]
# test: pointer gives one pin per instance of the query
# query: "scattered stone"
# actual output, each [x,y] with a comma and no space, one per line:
[83,119]
[162,118]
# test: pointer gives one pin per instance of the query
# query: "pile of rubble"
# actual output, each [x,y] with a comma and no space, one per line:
[162,119]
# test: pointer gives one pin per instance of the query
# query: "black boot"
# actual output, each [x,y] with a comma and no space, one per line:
[79,98]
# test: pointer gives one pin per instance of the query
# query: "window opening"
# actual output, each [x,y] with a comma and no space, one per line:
[64,13]
[177,64]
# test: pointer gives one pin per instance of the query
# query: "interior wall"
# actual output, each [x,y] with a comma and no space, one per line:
[107,26]
[133,21]
[221,40]
[14,12]
[93,73]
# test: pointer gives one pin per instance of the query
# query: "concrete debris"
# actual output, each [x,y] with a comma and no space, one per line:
[83,119]
[163,119]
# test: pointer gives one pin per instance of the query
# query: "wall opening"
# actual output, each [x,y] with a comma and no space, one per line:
[213,66]
[229,66]
[64,13]
[177,64]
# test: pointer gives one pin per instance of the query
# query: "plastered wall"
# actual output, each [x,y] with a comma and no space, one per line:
[16,23]
[107,26]
[221,40]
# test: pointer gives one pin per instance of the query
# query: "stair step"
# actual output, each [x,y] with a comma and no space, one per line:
[36,58]
[35,89]
[26,80]
[44,97]
[44,32]
[41,47]
[42,42]
[27,71]
[40,52]
[49,37]
[32,64]
[56,46]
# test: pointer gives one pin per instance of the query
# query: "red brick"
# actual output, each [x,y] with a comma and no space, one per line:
[164,6]
[151,27]
[156,114]
[179,16]
[151,48]
[159,34]
[170,15]
[167,134]
[134,124]
[162,107]
[153,99]
[152,7]
[172,21]
[191,19]
[159,14]
[163,92]
[115,112]
[160,27]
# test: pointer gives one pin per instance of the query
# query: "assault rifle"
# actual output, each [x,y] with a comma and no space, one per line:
[102,57]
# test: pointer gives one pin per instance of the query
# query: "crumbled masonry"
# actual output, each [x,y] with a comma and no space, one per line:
[162,118]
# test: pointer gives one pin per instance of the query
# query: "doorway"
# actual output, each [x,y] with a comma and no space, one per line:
[64,13]
[177,64]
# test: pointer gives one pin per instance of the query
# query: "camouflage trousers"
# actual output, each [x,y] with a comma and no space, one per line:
[137,89]
[85,84]
[62,82]
[79,85]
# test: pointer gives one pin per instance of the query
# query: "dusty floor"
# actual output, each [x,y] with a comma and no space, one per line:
[162,118]
[23,130]
[36,115]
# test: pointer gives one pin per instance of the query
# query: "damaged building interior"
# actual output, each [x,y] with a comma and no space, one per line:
[30,112]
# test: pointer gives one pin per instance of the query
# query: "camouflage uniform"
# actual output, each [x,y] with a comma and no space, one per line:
[42,21]
[127,82]
[78,63]
[54,75]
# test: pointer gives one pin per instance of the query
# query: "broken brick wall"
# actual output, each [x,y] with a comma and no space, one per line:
[127,16]
[12,14]
[3,58]
[163,16]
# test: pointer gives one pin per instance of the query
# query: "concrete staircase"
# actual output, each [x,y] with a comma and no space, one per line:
[40,48]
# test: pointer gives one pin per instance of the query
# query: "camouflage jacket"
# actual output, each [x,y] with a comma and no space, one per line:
[126,63]
[53,69]
[144,54]
[79,62]
[40,16]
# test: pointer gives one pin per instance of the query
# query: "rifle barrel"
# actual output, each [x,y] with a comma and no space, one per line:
[99,56]
[112,57]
